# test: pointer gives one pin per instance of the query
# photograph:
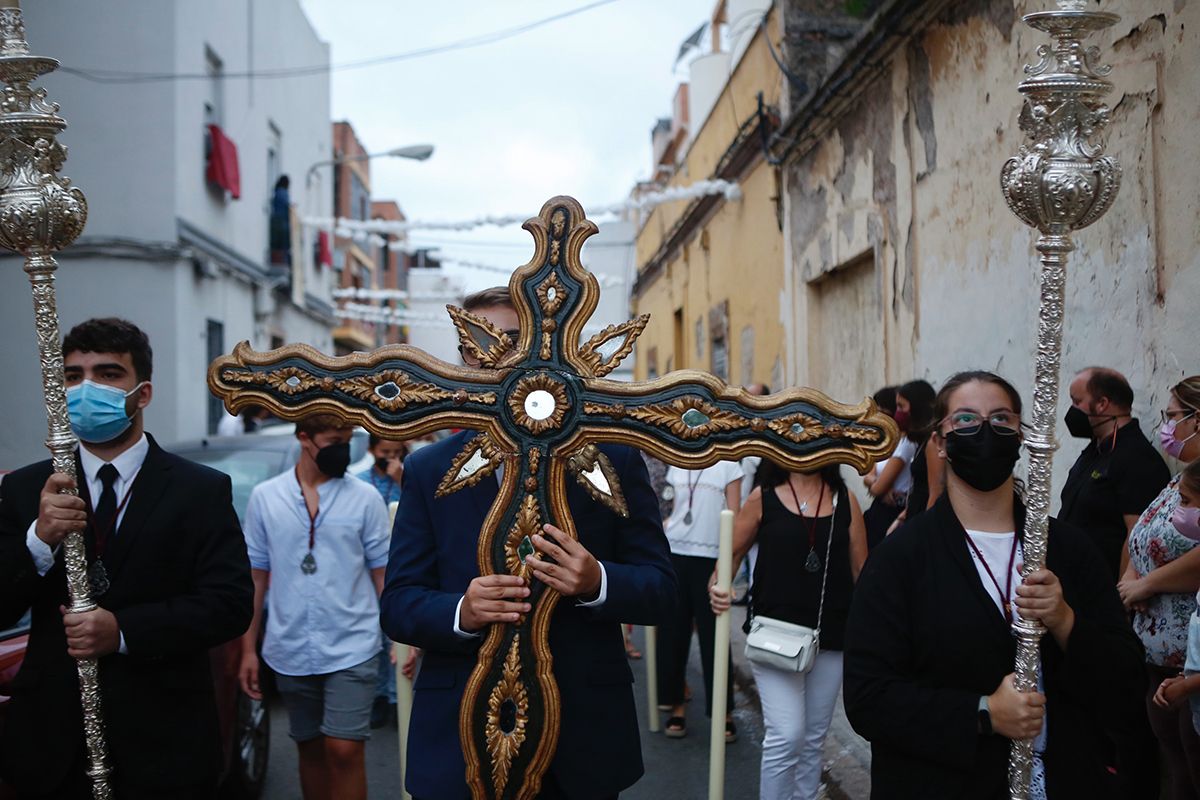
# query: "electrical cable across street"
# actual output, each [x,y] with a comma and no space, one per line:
[118,76]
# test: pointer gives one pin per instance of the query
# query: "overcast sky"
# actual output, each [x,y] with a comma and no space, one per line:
[563,109]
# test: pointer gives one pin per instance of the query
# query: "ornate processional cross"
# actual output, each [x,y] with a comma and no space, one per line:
[542,404]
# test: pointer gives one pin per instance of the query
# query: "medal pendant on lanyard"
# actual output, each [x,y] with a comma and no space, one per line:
[1006,593]
[97,575]
[308,564]
[813,562]
[687,518]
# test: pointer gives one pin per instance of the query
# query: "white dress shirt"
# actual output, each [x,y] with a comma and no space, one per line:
[128,464]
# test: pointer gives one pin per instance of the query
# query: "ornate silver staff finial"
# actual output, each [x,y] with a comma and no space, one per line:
[1058,183]
[40,214]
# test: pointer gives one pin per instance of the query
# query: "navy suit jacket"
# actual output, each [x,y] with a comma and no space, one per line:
[433,559]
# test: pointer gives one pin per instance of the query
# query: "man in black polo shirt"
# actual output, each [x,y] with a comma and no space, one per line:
[1118,474]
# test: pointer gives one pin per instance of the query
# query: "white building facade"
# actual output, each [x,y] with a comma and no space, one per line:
[163,247]
[430,290]
[610,255]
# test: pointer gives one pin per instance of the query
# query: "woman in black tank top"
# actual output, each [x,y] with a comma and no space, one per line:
[792,517]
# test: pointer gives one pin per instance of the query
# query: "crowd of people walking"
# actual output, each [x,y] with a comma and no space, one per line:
[907,610]
[919,634]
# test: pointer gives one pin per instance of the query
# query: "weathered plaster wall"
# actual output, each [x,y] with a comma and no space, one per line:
[910,180]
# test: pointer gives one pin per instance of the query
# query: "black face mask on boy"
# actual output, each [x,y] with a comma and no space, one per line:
[333,459]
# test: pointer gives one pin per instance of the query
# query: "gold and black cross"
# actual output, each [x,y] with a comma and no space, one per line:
[541,405]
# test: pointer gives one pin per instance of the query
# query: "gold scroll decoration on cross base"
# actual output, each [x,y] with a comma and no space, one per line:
[543,406]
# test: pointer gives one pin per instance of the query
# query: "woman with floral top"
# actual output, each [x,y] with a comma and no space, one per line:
[1160,587]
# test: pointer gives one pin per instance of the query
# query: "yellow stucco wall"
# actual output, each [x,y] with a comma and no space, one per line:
[735,257]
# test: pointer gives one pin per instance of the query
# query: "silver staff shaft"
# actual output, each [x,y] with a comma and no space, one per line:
[41,213]
[1059,183]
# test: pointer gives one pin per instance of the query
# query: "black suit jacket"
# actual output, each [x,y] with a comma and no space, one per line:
[180,584]
[925,641]
[433,559]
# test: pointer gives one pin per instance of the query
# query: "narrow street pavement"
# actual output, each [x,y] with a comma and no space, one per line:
[675,768]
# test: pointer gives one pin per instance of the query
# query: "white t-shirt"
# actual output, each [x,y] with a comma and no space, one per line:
[996,548]
[905,451]
[702,493]
[749,466]
[230,425]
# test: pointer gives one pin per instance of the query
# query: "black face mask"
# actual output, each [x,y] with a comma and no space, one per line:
[1079,423]
[984,460]
[333,459]
[381,464]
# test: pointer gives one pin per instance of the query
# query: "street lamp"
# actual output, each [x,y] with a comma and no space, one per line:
[417,152]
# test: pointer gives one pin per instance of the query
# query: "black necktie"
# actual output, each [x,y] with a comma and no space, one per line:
[104,517]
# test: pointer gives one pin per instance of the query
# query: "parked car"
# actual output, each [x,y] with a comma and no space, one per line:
[12,652]
[251,459]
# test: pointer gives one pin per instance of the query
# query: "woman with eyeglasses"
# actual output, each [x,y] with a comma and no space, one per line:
[1160,587]
[929,647]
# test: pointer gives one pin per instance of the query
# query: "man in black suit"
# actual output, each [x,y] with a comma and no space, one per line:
[170,574]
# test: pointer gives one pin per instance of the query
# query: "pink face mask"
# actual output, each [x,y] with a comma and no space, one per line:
[1186,520]
[1166,437]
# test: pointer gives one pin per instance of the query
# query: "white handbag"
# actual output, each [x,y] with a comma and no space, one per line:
[784,645]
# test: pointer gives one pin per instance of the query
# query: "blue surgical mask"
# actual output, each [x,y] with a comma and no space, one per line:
[98,412]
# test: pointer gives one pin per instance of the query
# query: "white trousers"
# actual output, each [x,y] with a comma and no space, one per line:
[797,709]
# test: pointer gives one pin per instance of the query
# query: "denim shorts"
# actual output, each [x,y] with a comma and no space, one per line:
[336,704]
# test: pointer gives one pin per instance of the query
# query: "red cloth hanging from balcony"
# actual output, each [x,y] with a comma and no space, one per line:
[324,253]
[223,163]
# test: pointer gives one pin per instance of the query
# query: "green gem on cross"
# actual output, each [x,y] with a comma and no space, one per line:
[694,418]
[524,549]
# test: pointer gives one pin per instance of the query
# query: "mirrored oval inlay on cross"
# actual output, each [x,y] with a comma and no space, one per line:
[508,716]
[539,404]
[293,381]
[387,390]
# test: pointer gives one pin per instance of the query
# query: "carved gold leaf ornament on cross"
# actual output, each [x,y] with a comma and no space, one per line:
[507,715]
[480,339]
[543,407]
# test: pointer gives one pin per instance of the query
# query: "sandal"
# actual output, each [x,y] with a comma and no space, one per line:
[676,728]
[730,732]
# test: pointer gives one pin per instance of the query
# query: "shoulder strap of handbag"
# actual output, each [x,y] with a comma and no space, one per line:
[825,575]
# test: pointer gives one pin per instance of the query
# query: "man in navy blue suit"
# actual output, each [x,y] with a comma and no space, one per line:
[434,598]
